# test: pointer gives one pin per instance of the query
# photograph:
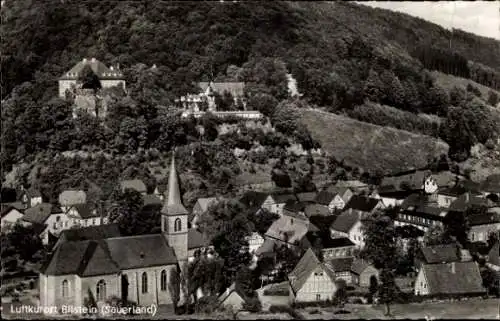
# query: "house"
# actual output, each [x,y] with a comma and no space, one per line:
[422,211]
[467,200]
[255,241]
[316,210]
[491,185]
[135,184]
[446,196]
[330,248]
[311,280]
[69,198]
[349,224]
[332,201]
[48,215]
[275,202]
[363,205]
[294,208]
[342,268]
[135,268]
[362,271]
[345,193]
[10,215]
[97,232]
[394,189]
[201,206]
[30,197]
[353,185]
[483,224]
[233,298]
[83,215]
[288,230]
[455,278]
[438,254]
[109,77]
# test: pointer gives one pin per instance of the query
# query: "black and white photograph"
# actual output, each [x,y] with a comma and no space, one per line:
[250,160]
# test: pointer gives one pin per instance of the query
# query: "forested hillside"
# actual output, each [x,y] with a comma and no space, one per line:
[369,64]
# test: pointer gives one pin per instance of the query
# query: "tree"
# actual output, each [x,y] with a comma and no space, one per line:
[458,96]
[373,88]
[435,235]
[373,288]
[262,220]
[387,289]
[340,295]
[88,79]
[174,287]
[493,98]
[266,75]
[263,102]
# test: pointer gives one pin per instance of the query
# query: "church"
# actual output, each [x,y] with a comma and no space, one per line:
[134,268]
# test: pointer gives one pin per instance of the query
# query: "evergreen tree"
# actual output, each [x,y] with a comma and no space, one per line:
[88,79]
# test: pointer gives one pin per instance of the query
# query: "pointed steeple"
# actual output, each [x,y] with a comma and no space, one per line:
[173,204]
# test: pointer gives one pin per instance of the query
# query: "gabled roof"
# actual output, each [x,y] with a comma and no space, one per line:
[316,209]
[72,197]
[173,204]
[453,278]
[294,206]
[40,213]
[7,207]
[327,242]
[85,211]
[135,184]
[97,67]
[341,190]
[205,202]
[95,232]
[325,197]
[345,222]
[362,203]
[494,254]
[466,200]
[234,288]
[359,266]
[140,251]
[151,199]
[288,229]
[307,265]
[306,197]
[281,198]
[484,219]
[454,191]
[342,264]
[235,88]
[440,254]
[323,222]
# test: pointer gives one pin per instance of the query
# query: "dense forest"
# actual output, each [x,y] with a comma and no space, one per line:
[346,58]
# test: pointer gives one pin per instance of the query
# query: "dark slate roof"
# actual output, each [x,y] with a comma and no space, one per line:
[307,265]
[441,279]
[253,200]
[97,67]
[491,184]
[7,207]
[323,222]
[466,200]
[345,222]
[40,213]
[325,197]
[440,254]
[484,219]
[455,191]
[327,242]
[96,232]
[341,264]
[151,199]
[316,209]
[306,197]
[294,206]
[359,266]
[135,184]
[196,239]
[362,203]
[494,254]
[332,189]
[141,251]
[85,211]
[283,198]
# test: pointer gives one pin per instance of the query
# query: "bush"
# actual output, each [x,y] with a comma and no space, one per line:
[286,309]
[252,305]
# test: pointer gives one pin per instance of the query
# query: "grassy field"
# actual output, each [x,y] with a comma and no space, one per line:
[450,81]
[471,309]
[369,146]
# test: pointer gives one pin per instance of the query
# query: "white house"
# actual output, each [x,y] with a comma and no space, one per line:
[349,225]
[275,203]
[332,200]
[10,215]
[311,280]
[49,215]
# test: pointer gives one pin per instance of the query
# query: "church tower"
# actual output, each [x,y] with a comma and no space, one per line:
[174,218]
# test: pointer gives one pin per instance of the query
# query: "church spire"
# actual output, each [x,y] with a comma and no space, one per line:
[174,194]
[173,205]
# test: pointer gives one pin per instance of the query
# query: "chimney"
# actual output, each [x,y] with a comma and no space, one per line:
[453,267]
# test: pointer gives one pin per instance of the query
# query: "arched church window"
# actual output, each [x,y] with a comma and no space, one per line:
[101,290]
[65,288]
[177,225]
[144,283]
[163,280]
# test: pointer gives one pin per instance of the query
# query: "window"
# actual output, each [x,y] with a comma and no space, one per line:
[65,288]
[144,282]
[163,280]
[177,225]
[58,218]
[318,297]
[101,290]
[93,221]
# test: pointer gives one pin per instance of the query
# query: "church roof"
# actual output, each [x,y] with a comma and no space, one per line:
[97,67]
[174,205]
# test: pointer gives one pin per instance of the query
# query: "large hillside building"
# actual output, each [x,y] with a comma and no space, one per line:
[135,268]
